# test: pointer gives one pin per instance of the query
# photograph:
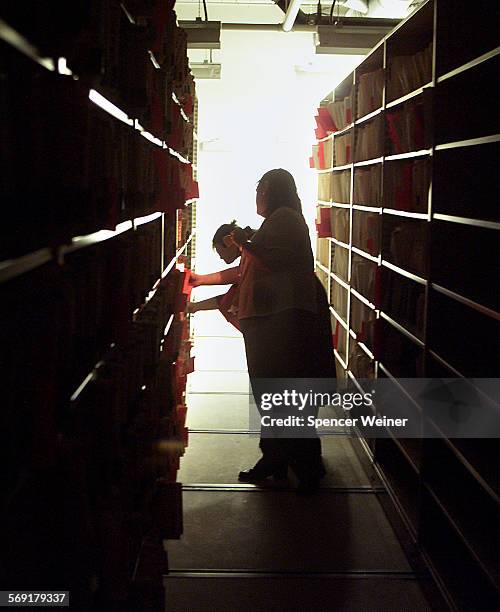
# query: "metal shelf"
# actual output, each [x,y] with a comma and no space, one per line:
[340,168]
[445,364]
[20,265]
[340,281]
[466,221]
[364,254]
[464,67]
[405,213]
[469,142]
[460,533]
[467,302]
[338,318]
[468,466]
[405,273]
[369,116]
[399,385]
[322,267]
[407,522]
[339,242]
[127,13]
[409,96]
[409,155]
[325,138]
[402,329]
[19,42]
[363,299]
[80,242]
[366,208]
[88,379]
[340,359]
[361,345]
[369,162]
[343,130]
[183,114]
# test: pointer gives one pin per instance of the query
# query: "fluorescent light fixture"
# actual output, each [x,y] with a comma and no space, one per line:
[205,70]
[202,34]
[349,39]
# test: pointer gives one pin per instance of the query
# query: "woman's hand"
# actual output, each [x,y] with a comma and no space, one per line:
[238,236]
[195,280]
[191,308]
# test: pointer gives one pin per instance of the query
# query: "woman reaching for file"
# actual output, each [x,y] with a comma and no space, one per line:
[227,303]
[284,316]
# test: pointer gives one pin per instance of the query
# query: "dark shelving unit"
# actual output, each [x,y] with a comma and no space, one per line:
[99,133]
[424,274]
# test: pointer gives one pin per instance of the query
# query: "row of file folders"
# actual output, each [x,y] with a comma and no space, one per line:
[404,184]
[47,356]
[403,130]
[102,47]
[90,303]
[405,306]
[405,73]
[399,297]
[402,242]
[116,449]
[83,171]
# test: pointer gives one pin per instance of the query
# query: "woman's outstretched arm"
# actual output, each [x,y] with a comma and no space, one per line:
[208,304]
[224,277]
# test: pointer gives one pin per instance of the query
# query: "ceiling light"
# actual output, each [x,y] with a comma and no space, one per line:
[205,70]
[202,34]
[351,39]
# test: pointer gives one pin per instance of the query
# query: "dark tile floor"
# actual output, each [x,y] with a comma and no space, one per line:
[250,548]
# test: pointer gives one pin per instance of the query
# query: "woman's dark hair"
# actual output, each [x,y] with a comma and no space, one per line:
[281,190]
[226,229]
[222,231]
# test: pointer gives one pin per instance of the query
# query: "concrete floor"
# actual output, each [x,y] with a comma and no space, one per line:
[249,548]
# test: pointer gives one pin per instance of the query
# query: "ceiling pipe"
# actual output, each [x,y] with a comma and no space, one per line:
[360,6]
[291,15]
[348,24]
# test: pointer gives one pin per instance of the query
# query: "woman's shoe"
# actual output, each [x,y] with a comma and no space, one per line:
[258,473]
[281,473]
[253,474]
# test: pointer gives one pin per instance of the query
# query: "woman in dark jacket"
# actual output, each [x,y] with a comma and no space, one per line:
[284,316]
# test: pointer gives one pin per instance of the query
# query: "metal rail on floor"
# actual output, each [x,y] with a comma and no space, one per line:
[273,486]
